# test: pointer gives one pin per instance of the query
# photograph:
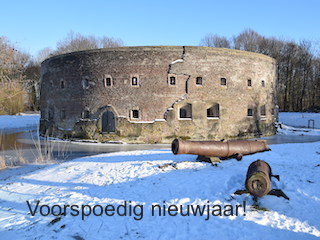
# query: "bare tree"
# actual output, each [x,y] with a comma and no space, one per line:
[77,42]
[248,40]
[12,77]
[43,54]
[214,40]
[298,66]
[21,72]
[12,61]
[106,42]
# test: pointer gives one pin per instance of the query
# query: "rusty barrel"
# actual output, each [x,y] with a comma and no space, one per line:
[223,149]
[258,178]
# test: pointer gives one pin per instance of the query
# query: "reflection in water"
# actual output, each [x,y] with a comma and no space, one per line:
[10,141]
[280,139]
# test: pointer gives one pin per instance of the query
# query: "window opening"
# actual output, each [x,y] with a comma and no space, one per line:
[263,111]
[135,114]
[172,80]
[223,81]
[107,82]
[185,111]
[85,114]
[199,80]
[51,113]
[134,81]
[214,111]
[85,83]
[63,114]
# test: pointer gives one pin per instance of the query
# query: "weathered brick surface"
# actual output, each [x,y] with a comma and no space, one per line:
[83,75]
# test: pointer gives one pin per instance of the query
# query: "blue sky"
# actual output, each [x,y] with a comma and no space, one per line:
[33,24]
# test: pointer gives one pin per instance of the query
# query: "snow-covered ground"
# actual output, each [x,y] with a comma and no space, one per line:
[300,119]
[295,123]
[151,180]
[18,122]
[288,130]
[142,179]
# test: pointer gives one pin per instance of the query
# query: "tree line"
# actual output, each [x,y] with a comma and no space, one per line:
[298,69]
[20,72]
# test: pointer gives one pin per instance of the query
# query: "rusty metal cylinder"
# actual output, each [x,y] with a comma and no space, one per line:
[223,149]
[258,178]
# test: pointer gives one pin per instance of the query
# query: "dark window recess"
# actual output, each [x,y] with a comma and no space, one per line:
[50,114]
[223,81]
[135,113]
[214,111]
[107,82]
[186,111]
[172,80]
[272,111]
[134,81]
[85,114]
[262,83]
[250,112]
[183,113]
[86,83]
[199,81]
[63,114]
[263,111]
[249,83]
[62,85]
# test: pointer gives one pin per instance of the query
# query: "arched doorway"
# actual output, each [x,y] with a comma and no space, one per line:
[108,122]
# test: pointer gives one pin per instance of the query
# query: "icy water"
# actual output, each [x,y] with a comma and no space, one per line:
[280,139]
[29,146]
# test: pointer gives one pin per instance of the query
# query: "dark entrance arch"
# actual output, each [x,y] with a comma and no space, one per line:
[108,122]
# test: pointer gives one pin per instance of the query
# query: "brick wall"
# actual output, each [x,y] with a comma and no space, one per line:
[99,80]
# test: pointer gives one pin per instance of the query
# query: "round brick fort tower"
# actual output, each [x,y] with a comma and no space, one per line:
[156,94]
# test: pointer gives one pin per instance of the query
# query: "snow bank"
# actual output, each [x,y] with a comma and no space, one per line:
[151,177]
[12,123]
[299,119]
[288,130]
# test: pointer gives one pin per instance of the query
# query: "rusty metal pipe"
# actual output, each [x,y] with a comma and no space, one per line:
[224,149]
[258,179]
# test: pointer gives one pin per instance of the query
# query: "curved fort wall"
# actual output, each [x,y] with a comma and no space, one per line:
[154,94]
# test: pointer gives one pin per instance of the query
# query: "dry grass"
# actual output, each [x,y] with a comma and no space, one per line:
[12,98]
[2,163]
[44,153]
[2,160]
[46,148]
[21,160]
